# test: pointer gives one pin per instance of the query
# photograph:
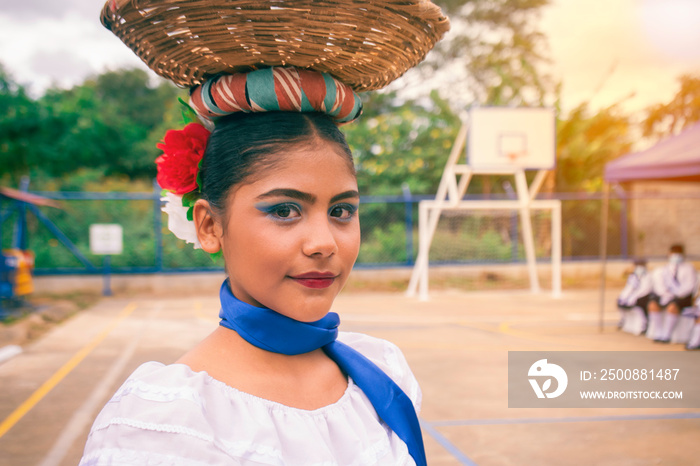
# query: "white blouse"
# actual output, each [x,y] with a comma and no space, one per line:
[170,415]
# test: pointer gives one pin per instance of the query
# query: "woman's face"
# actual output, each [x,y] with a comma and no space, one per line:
[292,236]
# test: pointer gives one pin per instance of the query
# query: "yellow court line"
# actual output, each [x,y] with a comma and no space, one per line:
[60,374]
[506,329]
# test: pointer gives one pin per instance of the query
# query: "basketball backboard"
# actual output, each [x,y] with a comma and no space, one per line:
[511,138]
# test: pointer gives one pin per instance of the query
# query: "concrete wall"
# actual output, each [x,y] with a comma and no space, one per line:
[180,284]
[574,273]
[655,224]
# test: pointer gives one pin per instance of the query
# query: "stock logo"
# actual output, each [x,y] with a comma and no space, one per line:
[547,371]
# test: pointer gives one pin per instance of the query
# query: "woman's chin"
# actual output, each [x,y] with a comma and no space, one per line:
[311,311]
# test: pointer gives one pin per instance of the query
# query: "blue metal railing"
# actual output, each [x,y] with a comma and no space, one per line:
[408,200]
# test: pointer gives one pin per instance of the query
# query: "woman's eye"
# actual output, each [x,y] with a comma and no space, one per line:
[343,211]
[286,211]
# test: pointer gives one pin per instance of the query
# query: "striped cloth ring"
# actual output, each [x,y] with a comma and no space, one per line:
[284,89]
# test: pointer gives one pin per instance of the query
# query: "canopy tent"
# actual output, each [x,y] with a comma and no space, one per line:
[674,158]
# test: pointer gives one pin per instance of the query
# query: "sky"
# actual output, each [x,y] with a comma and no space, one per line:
[628,51]
[603,51]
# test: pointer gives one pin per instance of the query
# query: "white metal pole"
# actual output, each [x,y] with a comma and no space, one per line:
[417,275]
[428,232]
[464,182]
[528,237]
[418,266]
[556,250]
[603,252]
[432,215]
[537,184]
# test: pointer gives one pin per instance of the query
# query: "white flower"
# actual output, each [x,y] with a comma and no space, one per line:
[177,219]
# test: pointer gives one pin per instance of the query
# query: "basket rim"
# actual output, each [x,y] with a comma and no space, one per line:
[372,43]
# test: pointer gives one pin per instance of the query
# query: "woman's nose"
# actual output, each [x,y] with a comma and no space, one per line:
[320,240]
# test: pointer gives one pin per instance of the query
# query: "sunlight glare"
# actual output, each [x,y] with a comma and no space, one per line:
[673,26]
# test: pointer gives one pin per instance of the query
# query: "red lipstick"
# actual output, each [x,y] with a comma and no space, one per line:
[315,280]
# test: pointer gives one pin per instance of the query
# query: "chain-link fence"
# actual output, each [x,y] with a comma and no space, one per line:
[638,225]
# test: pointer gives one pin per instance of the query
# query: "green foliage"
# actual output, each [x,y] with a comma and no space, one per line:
[109,123]
[683,110]
[585,143]
[19,125]
[466,239]
[136,218]
[74,220]
[101,136]
[386,244]
[396,143]
[469,238]
[502,50]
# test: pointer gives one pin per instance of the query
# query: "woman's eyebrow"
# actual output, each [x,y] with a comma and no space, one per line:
[293,193]
[306,197]
[345,195]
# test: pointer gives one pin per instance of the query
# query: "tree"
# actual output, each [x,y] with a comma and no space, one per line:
[112,119]
[498,51]
[134,97]
[110,124]
[585,143]
[401,142]
[493,55]
[78,131]
[20,123]
[683,110]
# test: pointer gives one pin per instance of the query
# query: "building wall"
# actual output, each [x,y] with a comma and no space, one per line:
[655,224]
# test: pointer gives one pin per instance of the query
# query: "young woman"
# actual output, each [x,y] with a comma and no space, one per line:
[275,195]
[271,385]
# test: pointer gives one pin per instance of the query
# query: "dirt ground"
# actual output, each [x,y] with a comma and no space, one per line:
[457,344]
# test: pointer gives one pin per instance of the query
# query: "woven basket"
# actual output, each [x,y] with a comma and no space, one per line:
[364,43]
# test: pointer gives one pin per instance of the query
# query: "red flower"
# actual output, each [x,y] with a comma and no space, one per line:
[182,151]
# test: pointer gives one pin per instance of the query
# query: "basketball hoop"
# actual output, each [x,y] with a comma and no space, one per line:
[499,141]
[509,138]
[514,156]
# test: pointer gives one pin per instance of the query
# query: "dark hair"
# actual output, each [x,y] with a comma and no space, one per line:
[677,248]
[640,261]
[243,144]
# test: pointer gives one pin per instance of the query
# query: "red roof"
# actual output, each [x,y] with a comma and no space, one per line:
[675,158]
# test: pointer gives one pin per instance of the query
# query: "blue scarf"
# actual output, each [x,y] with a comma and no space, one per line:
[274,332]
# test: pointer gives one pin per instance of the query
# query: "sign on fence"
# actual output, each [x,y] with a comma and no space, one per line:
[106,238]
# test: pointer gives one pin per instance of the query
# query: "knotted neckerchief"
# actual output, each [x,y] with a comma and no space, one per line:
[271,331]
[276,89]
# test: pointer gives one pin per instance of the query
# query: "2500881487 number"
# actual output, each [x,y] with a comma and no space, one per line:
[639,374]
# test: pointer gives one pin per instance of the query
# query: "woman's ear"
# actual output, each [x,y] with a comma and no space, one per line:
[209,230]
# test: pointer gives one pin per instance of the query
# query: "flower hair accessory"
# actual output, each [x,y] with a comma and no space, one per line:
[178,175]
[182,152]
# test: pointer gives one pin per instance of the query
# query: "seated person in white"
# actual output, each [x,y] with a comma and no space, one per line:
[636,292]
[694,340]
[674,285]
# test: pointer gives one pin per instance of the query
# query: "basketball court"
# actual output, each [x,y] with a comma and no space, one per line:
[457,344]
